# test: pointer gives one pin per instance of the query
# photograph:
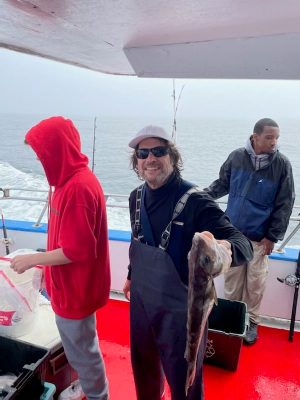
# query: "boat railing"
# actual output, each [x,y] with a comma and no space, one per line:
[120,201]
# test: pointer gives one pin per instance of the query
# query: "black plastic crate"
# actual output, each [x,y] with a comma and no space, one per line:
[28,363]
[227,328]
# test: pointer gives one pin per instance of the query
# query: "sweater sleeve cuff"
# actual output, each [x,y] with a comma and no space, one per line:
[272,239]
[129,272]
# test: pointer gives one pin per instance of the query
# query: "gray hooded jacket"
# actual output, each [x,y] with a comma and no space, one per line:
[261,192]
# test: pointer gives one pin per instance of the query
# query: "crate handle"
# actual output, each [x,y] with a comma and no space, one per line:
[58,363]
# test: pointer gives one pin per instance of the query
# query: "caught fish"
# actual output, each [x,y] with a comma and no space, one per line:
[207,259]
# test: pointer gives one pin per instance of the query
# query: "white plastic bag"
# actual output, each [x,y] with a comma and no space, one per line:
[18,299]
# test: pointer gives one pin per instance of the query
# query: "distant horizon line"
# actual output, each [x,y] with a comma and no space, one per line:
[215,116]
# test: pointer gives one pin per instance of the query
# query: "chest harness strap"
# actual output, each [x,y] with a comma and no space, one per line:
[165,237]
[137,219]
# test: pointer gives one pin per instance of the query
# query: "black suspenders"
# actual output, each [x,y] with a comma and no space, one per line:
[165,236]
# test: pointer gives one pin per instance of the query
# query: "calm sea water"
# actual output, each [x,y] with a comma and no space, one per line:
[204,145]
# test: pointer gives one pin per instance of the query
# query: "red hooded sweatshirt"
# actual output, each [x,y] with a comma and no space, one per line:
[77,221]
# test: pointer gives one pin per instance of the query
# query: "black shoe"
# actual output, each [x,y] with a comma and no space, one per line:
[251,334]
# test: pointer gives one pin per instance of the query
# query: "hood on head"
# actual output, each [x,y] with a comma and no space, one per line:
[57,145]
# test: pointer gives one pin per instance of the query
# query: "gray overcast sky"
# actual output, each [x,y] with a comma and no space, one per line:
[34,85]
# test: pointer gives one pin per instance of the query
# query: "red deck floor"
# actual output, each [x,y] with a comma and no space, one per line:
[268,370]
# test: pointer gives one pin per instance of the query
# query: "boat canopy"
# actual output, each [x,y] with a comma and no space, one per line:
[224,39]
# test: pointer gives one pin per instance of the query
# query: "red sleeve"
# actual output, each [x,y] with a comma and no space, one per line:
[78,236]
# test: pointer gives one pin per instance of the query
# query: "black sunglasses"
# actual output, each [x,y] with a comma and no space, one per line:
[159,151]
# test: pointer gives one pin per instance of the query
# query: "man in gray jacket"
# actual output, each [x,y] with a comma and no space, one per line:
[259,181]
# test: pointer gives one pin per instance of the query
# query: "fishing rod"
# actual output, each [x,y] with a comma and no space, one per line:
[293,281]
[94,144]
[5,240]
[175,109]
[295,300]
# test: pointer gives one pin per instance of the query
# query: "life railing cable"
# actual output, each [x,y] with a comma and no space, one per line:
[123,203]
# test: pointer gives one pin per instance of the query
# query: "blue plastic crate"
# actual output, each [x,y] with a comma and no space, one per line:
[49,390]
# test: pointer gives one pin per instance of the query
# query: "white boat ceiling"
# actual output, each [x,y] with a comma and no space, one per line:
[168,38]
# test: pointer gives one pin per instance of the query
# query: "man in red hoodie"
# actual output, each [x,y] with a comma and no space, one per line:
[77,270]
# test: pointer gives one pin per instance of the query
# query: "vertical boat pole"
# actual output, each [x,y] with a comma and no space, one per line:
[5,241]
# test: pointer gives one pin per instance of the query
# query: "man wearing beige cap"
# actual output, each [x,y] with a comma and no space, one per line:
[158,272]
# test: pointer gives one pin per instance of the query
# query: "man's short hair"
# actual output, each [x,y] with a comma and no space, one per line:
[260,125]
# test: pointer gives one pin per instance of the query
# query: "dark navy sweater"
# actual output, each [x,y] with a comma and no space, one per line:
[201,213]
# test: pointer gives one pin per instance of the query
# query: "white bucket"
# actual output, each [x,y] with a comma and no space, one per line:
[18,299]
